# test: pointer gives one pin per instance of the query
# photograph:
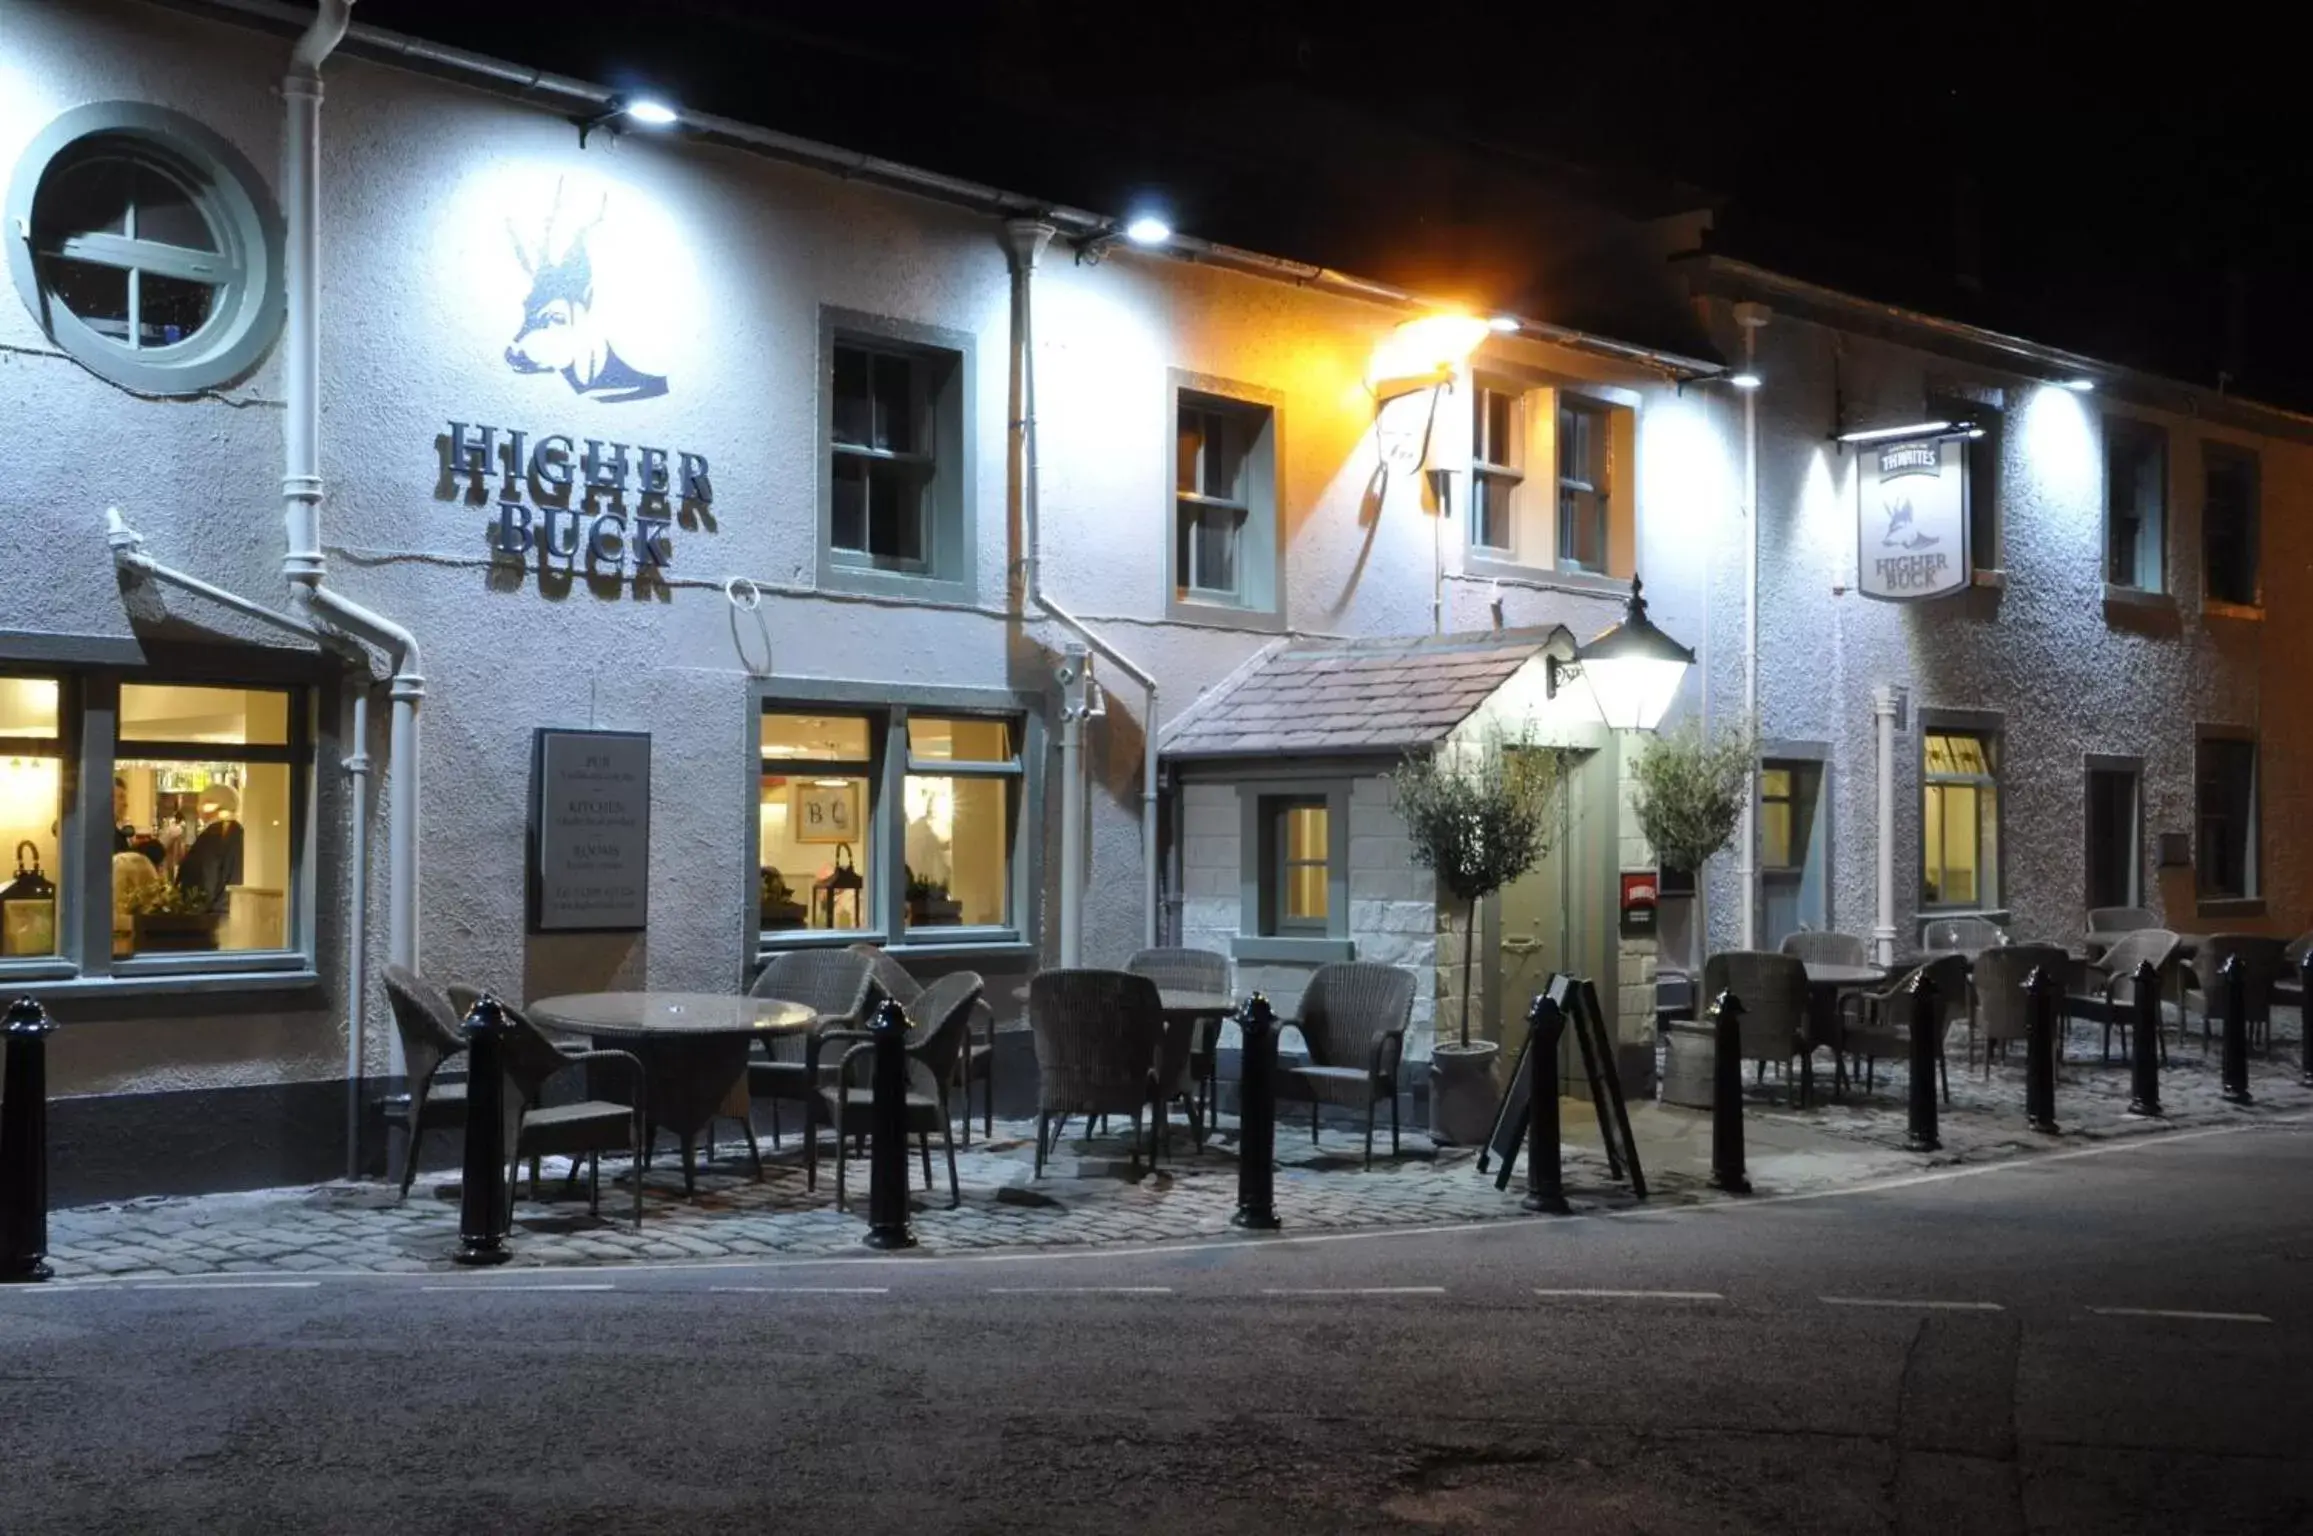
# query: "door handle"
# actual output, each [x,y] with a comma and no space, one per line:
[1520,946]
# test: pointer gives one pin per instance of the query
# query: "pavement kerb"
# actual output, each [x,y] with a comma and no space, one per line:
[1720,1205]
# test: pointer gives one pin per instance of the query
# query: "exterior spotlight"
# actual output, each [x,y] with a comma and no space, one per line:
[1148,229]
[1888,434]
[646,110]
[1506,325]
[2081,386]
[1745,380]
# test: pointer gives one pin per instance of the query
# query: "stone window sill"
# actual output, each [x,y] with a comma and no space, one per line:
[220,988]
[1477,564]
[2230,906]
[2214,608]
[2138,598]
[1291,951]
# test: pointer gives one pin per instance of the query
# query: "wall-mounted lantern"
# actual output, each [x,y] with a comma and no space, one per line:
[1633,669]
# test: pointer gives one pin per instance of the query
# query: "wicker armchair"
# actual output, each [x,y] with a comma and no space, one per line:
[1353,1019]
[584,1129]
[2003,1011]
[428,1025]
[1827,948]
[832,983]
[1879,1023]
[1193,970]
[2120,919]
[2113,980]
[1097,1038]
[943,1019]
[1773,992]
[2263,963]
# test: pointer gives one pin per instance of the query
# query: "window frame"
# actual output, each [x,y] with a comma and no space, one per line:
[1486,470]
[1573,406]
[89,737]
[2248,901]
[1260,600]
[1259,937]
[1816,870]
[884,915]
[1990,731]
[2215,453]
[2131,768]
[236,201]
[1536,559]
[946,367]
[2154,436]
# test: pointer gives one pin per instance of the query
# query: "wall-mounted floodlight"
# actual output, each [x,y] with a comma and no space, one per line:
[1733,378]
[1503,325]
[1889,434]
[648,111]
[1423,352]
[1148,229]
[2080,385]
[1745,380]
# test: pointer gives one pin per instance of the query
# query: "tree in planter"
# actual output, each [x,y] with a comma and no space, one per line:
[1687,792]
[1480,814]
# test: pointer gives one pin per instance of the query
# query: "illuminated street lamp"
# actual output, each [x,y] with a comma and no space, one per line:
[1633,668]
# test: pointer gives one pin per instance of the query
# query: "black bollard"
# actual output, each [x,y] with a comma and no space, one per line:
[2305,1018]
[485,1206]
[1924,1133]
[2044,998]
[1545,1178]
[887,1188]
[1727,1097]
[24,1145]
[2144,1044]
[2233,978]
[1257,1117]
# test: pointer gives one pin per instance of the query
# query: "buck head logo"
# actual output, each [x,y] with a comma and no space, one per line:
[563,330]
[1902,532]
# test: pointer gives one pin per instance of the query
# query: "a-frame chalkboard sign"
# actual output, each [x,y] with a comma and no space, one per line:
[1577,1001]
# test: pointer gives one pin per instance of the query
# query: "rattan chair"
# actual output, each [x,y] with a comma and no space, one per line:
[2002,1009]
[1773,992]
[1827,948]
[428,1026]
[834,984]
[1193,970]
[1097,1037]
[2120,919]
[2112,978]
[977,1064]
[2263,963]
[1353,1019]
[1879,1023]
[942,1015]
[586,1128]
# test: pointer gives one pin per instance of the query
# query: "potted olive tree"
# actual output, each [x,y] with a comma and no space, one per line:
[1480,813]
[1687,792]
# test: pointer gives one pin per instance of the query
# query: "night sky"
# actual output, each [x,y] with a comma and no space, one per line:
[2134,188]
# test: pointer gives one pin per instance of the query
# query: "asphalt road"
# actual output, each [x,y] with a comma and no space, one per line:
[1990,1352]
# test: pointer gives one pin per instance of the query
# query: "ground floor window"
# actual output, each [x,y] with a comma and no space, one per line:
[1960,820]
[2225,774]
[2114,869]
[890,821]
[1793,889]
[170,813]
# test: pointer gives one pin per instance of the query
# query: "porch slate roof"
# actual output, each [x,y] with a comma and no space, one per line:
[1379,696]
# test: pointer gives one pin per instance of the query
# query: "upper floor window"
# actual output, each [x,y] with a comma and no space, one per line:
[149,250]
[1549,479]
[1223,549]
[2229,518]
[1960,820]
[2135,503]
[896,507]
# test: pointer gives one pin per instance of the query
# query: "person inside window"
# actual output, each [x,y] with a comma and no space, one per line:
[213,864]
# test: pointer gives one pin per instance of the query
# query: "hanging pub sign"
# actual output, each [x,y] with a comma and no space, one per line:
[1912,523]
[590,831]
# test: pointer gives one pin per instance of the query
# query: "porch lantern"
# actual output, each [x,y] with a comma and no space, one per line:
[1633,668]
[835,895]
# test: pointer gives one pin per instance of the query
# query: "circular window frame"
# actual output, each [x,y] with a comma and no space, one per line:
[230,195]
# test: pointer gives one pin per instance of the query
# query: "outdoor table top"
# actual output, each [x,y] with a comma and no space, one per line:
[673,1013]
[1831,973]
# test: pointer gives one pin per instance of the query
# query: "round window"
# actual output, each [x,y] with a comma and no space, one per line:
[149,249]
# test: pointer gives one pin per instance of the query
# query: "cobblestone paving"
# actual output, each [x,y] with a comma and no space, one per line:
[1089,1196]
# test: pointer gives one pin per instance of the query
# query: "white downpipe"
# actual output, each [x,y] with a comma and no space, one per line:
[301,483]
[1025,240]
[356,766]
[1883,707]
[1751,317]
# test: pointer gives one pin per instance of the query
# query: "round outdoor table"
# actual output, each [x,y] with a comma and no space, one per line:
[693,1048]
[1826,979]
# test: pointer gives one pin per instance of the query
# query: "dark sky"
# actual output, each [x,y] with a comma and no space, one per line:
[2135,186]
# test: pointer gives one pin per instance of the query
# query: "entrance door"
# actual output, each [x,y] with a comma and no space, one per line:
[1794,888]
[1546,918]
[2113,866]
